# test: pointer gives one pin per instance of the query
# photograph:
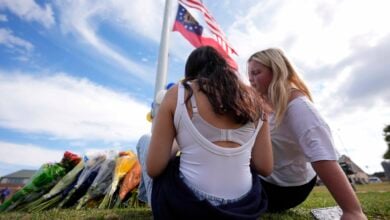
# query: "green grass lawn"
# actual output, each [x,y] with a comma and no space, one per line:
[375,199]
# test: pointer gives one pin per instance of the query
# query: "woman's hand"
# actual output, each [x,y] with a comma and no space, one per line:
[353,216]
[266,105]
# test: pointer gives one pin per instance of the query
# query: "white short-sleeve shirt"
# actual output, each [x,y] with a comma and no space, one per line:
[301,138]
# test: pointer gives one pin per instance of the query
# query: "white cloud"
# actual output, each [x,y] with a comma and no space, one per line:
[9,40]
[83,18]
[143,17]
[360,135]
[3,18]
[141,71]
[314,33]
[357,82]
[27,155]
[29,10]
[369,81]
[69,108]
[343,55]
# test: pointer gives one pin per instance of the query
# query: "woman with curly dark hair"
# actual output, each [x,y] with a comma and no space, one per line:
[221,135]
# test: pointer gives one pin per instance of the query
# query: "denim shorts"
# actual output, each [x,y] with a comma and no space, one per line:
[146,183]
[213,200]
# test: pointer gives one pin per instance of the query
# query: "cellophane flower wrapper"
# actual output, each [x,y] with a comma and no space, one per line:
[42,181]
[102,182]
[54,201]
[90,171]
[123,165]
[131,180]
[47,199]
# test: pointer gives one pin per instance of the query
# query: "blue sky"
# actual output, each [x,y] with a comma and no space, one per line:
[79,75]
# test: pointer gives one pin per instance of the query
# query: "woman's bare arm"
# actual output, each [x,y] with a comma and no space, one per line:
[163,135]
[262,156]
[338,185]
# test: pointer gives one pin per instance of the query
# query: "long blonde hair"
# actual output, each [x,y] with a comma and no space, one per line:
[284,78]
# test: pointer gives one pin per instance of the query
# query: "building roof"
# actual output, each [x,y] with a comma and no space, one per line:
[355,167]
[20,174]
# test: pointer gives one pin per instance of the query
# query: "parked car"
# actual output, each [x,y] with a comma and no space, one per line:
[374,179]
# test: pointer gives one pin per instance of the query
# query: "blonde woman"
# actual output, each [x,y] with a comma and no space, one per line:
[302,142]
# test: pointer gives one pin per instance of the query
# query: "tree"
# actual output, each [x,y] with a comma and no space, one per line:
[386,133]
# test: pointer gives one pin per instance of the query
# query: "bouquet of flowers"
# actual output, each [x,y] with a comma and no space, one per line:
[128,192]
[131,180]
[87,176]
[123,165]
[42,181]
[102,182]
[51,198]
[70,160]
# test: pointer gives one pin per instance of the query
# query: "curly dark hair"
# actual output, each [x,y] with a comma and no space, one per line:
[226,93]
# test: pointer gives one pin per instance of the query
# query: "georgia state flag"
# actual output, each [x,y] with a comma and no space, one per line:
[190,28]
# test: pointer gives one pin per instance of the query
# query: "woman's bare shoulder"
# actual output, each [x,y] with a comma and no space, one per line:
[171,95]
[173,90]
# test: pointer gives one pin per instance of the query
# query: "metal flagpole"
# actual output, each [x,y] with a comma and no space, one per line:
[162,65]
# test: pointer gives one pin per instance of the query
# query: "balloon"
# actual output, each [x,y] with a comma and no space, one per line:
[160,96]
[149,117]
[170,85]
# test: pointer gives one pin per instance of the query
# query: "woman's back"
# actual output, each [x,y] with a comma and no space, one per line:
[205,112]
[212,169]
[218,168]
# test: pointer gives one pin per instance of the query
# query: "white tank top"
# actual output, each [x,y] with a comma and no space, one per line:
[217,171]
[213,134]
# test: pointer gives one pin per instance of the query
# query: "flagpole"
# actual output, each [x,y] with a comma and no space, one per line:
[162,64]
